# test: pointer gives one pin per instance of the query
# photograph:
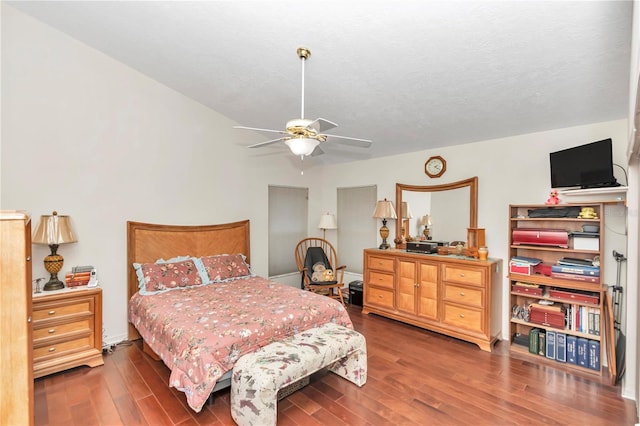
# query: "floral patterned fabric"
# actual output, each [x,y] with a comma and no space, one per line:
[200,332]
[163,276]
[225,267]
[258,376]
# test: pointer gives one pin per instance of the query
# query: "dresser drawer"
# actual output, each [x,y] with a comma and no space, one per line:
[467,318]
[466,295]
[63,348]
[380,263]
[461,275]
[381,280]
[61,330]
[62,309]
[380,297]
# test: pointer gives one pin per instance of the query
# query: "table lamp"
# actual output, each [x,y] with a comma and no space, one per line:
[327,221]
[384,210]
[426,222]
[53,230]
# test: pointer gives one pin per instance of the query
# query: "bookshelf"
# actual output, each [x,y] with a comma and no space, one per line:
[545,243]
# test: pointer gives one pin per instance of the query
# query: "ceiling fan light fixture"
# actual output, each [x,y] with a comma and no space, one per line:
[302,146]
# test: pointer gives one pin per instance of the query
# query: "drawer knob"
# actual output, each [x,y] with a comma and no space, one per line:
[462,275]
[52,330]
[52,349]
[461,315]
[462,293]
[52,312]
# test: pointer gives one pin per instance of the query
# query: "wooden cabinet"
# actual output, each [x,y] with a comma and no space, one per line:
[576,296]
[452,295]
[67,330]
[16,380]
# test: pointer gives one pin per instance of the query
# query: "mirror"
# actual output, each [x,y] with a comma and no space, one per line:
[452,208]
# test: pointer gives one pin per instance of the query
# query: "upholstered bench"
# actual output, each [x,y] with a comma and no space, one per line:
[258,376]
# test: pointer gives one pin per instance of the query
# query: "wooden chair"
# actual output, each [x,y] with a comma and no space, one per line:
[305,265]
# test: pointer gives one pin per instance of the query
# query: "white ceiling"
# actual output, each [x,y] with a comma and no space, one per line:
[409,74]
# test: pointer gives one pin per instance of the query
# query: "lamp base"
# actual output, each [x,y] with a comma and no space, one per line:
[384,246]
[53,284]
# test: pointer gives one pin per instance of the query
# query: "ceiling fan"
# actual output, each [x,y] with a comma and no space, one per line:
[303,136]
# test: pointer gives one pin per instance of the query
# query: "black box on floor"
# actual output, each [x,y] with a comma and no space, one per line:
[355,293]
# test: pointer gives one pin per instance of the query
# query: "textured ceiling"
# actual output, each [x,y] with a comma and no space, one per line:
[410,75]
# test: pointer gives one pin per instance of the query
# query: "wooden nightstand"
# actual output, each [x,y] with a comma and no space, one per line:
[67,330]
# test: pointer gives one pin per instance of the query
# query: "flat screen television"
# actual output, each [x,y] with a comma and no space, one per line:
[584,166]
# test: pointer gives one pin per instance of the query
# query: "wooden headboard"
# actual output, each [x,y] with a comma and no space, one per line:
[147,242]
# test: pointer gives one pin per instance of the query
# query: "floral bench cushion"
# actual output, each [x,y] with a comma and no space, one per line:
[258,376]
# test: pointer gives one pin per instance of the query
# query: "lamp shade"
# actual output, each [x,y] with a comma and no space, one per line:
[425,220]
[301,145]
[328,221]
[54,229]
[406,211]
[384,210]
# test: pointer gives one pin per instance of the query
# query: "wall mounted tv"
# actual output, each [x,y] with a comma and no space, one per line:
[584,166]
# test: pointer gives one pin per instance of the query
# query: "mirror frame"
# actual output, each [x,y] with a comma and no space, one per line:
[472,183]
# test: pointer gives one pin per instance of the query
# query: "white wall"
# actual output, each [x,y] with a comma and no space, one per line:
[86,136]
[89,137]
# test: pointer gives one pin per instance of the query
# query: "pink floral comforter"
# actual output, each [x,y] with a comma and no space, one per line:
[200,332]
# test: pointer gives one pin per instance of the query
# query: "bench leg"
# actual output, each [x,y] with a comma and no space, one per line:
[254,402]
[353,367]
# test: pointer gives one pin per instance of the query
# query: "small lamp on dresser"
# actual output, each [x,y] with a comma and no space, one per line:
[384,210]
[54,230]
[327,221]
[426,222]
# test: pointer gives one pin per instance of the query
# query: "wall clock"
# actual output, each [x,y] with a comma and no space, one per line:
[435,166]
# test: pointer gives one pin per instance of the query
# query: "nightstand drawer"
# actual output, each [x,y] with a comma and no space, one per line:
[62,330]
[63,348]
[464,275]
[380,263]
[466,295]
[467,318]
[61,309]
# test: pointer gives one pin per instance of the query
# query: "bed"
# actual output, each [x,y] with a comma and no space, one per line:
[200,329]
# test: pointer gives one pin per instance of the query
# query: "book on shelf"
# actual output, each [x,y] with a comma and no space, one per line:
[550,344]
[533,340]
[542,342]
[575,277]
[594,355]
[572,353]
[582,349]
[592,271]
[561,347]
[572,261]
[526,260]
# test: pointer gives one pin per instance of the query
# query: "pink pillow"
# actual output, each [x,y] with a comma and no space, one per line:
[225,267]
[165,276]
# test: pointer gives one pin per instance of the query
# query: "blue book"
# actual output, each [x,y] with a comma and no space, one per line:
[592,271]
[582,349]
[551,344]
[594,355]
[572,353]
[561,347]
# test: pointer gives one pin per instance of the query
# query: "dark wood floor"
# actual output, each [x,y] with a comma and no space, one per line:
[415,377]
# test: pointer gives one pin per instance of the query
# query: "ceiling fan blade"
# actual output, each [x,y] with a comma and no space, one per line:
[260,130]
[317,151]
[361,143]
[322,125]
[256,145]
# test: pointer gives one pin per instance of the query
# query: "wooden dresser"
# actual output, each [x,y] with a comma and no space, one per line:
[452,295]
[67,330]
